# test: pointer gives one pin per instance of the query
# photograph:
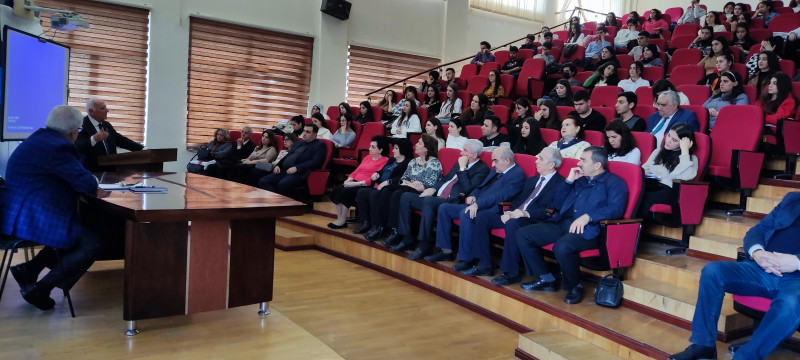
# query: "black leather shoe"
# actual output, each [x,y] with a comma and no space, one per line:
[402,246]
[38,297]
[478,271]
[374,234]
[462,265]
[334,226]
[441,256]
[23,275]
[575,295]
[506,279]
[419,254]
[363,229]
[549,286]
[393,240]
[696,352]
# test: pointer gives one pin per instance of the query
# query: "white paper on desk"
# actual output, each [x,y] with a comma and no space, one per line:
[111,187]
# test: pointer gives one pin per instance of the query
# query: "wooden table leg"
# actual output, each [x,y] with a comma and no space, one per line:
[252,261]
[208,265]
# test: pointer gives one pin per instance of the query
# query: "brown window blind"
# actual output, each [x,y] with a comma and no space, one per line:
[370,69]
[108,60]
[241,75]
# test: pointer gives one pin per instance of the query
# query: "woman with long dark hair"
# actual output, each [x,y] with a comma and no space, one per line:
[530,141]
[494,89]
[365,113]
[574,34]
[674,160]
[547,116]
[634,80]
[456,134]
[723,64]
[324,132]
[766,67]
[606,75]
[346,134]
[408,121]
[742,39]
[620,144]
[655,24]
[387,104]
[562,93]
[477,111]
[651,56]
[513,126]
[778,101]
[611,20]
[265,153]
[719,47]
[344,195]
[371,198]
[433,127]
[432,101]
[712,19]
[731,93]
[451,105]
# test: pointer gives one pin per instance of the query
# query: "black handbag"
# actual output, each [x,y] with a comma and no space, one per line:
[609,291]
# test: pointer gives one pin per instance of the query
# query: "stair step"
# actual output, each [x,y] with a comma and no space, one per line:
[652,262]
[778,164]
[762,205]
[775,188]
[555,344]
[715,222]
[723,196]
[290,238]
[680,302]
[721,245]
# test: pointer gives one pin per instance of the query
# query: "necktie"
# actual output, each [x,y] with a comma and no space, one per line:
[533,194]
[446,192]
[105,143]
[659,126]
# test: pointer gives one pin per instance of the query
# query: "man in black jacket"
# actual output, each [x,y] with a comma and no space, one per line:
[303,157]
[465,175]
[98,137]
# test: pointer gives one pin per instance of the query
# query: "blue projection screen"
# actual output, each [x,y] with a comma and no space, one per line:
[35,79]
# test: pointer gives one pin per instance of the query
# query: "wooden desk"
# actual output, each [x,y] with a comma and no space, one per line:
[224,259]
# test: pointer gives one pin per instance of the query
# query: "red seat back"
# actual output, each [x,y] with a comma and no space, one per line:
[596,138]
[579,54]
[703,154]
[486,157]
[608,112]
[790,136]
[501,56]
[625,61]
[726,34]
[488,67]
[646,143]
[278,142]
[674,12]
[328,153]
[583,76]
[736,127]
[784,23]
[523,54]
[740,69]
[476,84]
[423,116]
[758,35]
[605,96]
[508,83]
[234,135]
[591,27]
[256,138]
[531,68]
[681,42]
[644,109]
[466,98]
[468,71]
[448,158]
[702,115]
[501,111]
[332,112]
[566,165]
[332,125]
[757,23]
[653,73]
[563,111]
[633,175]
[550,135]
[750,91]
[686,74]
[527,163]
[697,94]
[377,113]
[787,66]
[474,131]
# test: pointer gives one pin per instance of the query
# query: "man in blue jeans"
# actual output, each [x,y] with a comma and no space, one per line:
[771,271]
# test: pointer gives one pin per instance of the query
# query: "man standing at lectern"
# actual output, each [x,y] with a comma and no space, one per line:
[99,138]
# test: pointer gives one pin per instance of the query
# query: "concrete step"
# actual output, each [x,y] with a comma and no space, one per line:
[725,246]
[287,239]
[555,344]
[652,262]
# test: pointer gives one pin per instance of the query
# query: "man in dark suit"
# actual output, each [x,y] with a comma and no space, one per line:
[526,208]
[303,157]
[44,180]
[669,113]
[462,178]
[502,184]
[242,149]
[590,194]
[98,137]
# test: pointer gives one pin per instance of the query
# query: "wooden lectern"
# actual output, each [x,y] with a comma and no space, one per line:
[144,160]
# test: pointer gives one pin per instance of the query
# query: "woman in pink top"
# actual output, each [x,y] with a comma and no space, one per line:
[655,24]
[344,195]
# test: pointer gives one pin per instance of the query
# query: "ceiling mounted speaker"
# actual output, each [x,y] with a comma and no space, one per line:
[339,9]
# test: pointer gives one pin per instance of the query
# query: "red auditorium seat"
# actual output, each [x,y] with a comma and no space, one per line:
[563,111]
[550,135]
[486,157]
[461,82]
[644,109]
[625,61]
[681,42]
[612,31]
[686,74]
[758,35]
[501,56]
[423,116]
[420,97]
[645,95]
[465,97]
[583,76]
[332,112]
[702,116]
[508,84]
[377,113]
[646,143]
[605,96]
[622,74]
[787,66]
[576,89]
[474,131]
[468,71]
[477,84]
[234,135]
[591,27]
[317,179]
[653,73]
[757,23]
[787,140]
[697,94]
[501,111]
[351,156]
[726,34]
[530,83]
[674,12]
[740,69]
[784,22]
[332,124]
[524,54]
[448,157]
[579,54]
[608,112]
[684,57]
[750,91]
[661,43]
[596,138]
[488,67]
[527,163]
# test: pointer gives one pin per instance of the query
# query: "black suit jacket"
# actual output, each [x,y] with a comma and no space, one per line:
[305,156]
[239,154]
[467,180]
[90,153]
[543,201]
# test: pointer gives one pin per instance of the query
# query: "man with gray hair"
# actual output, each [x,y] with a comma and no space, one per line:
[99,138]
[669,113]
[502,184]
[44,180]
[466,174]
[589,195]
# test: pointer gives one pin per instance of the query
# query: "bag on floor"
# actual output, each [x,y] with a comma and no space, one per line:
[609,291]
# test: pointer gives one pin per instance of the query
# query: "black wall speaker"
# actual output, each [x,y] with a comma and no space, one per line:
[339,9]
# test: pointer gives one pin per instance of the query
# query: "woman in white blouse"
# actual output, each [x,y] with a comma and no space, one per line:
[674,160]
[456,134]
[451,105]
[620,144]
[635,80]
[408,121]
[323,132]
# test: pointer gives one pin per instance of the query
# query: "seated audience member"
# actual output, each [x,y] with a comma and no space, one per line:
[663,85]
[484,55]
[344,195]
[322,125]
[547,37]
[478,110]
[651,56]
[655,24]
[693,14]
[387,104]
[571,144]
[562,93]
[791,49]
[371,199]
[468,172]
[260,171]
[723,64]
[434,128]
[408,121]
[770,271]
[641,42]
[719,47]
[703,41]
[674,160]
[494,89]
[44,180]
[733,18]
[528,207]
[344,108]
[513,126]
[293,169]
[778,101]
[626,102]
[547,115]
[422,172]
[669,113]
[432,101]
[727,10]
[611,20]
[731,93]
[742,39]
[606,75]
[634,80]
[98,137]
[607,55]
[410,93]
[636,17]
[530,141]
[594,45]
[242,149]
[545,55]
[620,144]
[502,184]
[220,147]
[365,113]
[456,134]
[773,44]
[345,134]
[794,5]
[574,34]
[294,126]
[712,19]
[450,76]
[767,67]
[590,119]
[764,11]
[451,106]
[743,19]
[568,73]
[529,41]
[626,38]
[491,136]
[264,153]
[318,108]
[514,64]
[589,195]
[431,81]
